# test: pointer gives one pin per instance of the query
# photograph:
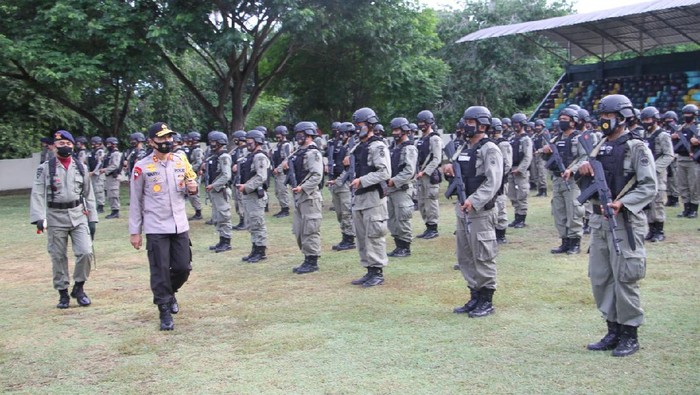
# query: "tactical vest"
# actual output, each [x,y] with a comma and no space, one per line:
[504,179]
[92,159]
[517,155]
[564,146]
[396,165]
[651,143]
[423,146]
[136,155]
[277,154]
[539,141]
[679,148]
[467,163]
[363,168]
[213,167]
[612,157]
[247,171]
[338,156]
[53,162]
[107,159]
[301,174]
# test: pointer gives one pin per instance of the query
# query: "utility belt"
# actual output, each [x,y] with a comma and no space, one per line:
[490,205]
[64,206]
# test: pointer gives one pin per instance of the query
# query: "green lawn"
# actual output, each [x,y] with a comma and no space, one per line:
[259,328]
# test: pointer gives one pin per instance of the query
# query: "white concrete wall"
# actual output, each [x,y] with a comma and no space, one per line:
[18,173]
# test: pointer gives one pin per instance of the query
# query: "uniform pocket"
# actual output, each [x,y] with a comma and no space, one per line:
[311,226]
[633,266]
[433,191]
[406,213]
[377,227]
[487,246]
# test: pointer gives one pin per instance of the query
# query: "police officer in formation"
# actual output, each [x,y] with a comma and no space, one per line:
[339,185]
[518,179]
[566,210]
[238,156]
[428,176]
[282,151]
[307,163]
[631,177]
[219,176]
[80,152]
[159,184]
[369,209]
[97,177]
[253,186]
[481,165]
[688,167]
[404,158]
[63,204]
[661,147]
[496,133]
[539,173]
[196,159]
[670,123]
[111,168]
[135,152]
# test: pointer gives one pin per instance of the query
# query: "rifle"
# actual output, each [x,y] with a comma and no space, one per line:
[600,186]
[330,150]
[292,177]
[555,158]
[350,171]
[683,139]
[457,183]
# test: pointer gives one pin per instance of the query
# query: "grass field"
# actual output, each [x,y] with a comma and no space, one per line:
[248,329]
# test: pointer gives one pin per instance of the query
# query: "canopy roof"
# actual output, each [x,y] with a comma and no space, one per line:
[636,28]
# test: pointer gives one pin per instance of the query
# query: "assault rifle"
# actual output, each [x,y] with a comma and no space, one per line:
[330,150]
[599,186]
[555,158]
[683,139]
[457,183]
[292,177]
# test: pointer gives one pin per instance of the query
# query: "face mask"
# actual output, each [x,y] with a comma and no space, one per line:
[300,138]
[364,131]
[133,143]
[607,126]
[648,126]
[64,152]
[469,131]
[397,137]
[250,146]
[564,125]
[164,147]
[689,119]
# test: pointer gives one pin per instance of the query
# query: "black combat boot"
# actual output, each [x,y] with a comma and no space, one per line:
[397,242]
[686,210]
[628,343]
[362,279]
[240,225]
[217,245]
[521,221]
[376,277]
[267,207]
[574,245]
[210,221]
[501,236]
[403,249]
[692,211]
[252,252]
[652,231]
[347,243]
[542,192]
[471,303]
[586,227]
[609,341]
[113,214]
[422,235]
[484,305]
[166,318]
[197,215]
[456,266]
[79,294]
[672,201]
[284,212]
[310,265]
[659,235]
[431,233]
[224,246]
[63,299]
[174,307]
[563,248]
[258,255]
[101,208]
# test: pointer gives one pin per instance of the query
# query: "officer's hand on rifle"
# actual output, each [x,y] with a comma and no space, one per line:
[566,174]
[209,187]
[355,183]
[515,171]
[467,206]
[136,241]
[241,187]
[346,161]
[274,172]
[420,174]
[390,183]
[585,169]
[235,168]
[675,136]
[616,206]
[285,165]
[296,189]
[331,182]
[546,150]
[448,170]
[694,140]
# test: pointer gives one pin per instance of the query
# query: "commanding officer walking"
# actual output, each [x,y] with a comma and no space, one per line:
[253,186]
[238,155]
[63,204]
[111,168]
[281,153]
[95,162]
[219,176]
[305,168]
[196,158]
[497,137]
[688,186]
[617,260]
[369,209]
[566,210]
[428,176]
[339,185]
[481,164]
[518,179]
[404,157]
[661,147]
[159,184]
[537,166]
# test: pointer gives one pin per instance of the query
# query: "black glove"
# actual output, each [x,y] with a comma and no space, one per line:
[40,225]
[93,229]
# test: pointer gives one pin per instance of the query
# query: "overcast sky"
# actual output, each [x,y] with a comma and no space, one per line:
[581,6]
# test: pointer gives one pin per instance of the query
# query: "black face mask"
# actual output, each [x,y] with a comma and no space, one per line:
[164,147]
[688,118]
[607,126]
[564,125]
[300,138]
[250,146]
[648,126]
[64,152]
[469,131]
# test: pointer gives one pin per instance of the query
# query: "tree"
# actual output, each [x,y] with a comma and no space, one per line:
[506,74]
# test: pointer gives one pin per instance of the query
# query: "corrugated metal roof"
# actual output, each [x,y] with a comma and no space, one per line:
[635,28]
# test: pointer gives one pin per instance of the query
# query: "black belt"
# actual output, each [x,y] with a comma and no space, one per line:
[64,206]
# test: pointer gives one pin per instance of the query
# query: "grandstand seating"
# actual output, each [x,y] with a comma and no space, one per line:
[665,91]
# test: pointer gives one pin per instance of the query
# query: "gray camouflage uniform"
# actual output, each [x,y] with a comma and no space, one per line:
[400,202]
[221,195]
[253,205]
[308,214]
[428,193]
[519,184]
[111,181]
[663,152]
